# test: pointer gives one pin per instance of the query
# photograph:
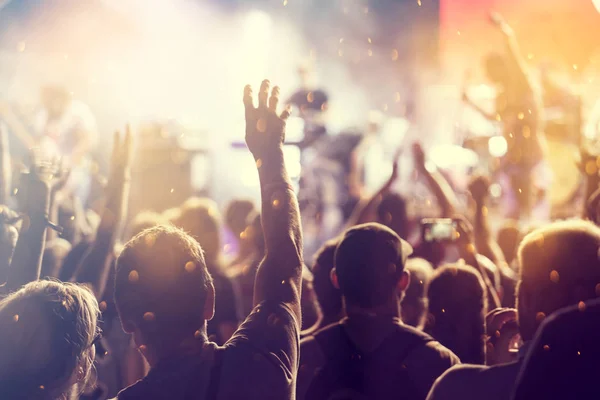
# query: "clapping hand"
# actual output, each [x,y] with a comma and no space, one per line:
[265,129]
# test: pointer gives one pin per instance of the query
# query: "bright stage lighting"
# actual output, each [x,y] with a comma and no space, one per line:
[596,4]
[497,146]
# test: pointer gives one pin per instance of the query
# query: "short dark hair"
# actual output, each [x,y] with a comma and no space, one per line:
[328,296]
[458,298]
[237,213]
[369,262]
[559,266]
[162,282]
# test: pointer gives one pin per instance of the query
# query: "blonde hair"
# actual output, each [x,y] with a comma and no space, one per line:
[48,328]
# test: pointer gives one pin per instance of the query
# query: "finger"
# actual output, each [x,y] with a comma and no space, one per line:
[248,102]
[274,99]
[286,113]
[263,94]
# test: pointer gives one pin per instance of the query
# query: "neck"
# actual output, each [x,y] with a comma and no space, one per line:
[189,345]
[389,309]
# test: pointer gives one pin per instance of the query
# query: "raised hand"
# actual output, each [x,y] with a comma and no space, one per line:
[418,156]
[479,188]
[265,130]
[497,20]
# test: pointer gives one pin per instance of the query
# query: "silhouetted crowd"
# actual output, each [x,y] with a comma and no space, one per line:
[103,305]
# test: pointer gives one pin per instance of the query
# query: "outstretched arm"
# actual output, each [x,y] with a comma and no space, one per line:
[35,195]
[484,240]
[95,266]
[517,61]
[365,211]
[279,276]
[441,189]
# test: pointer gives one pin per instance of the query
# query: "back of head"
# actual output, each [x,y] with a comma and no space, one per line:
[457,307]
[414,303]
[328,296]
[161,285]
[254,234]
[47,333]
[559,266]
[508,240]
[393,213]
[200,218]
[237,213]
[369,263]
[564,356]
[495,67]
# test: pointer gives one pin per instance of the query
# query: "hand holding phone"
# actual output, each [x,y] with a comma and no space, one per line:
[439,230]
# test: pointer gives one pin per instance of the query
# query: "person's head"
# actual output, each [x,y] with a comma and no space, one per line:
[328,296]
[254,235]
[163,291]
[145,220]
[562,361]
[414,303]
[48,331]
[200,218]
[496,68]
[55,99]
[508,240]
[236,215]
[559,266]
[392,212]
[456,311]
[369,267]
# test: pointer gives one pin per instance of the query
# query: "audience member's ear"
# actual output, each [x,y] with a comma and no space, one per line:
[404,281]
[209,304]
[334,279]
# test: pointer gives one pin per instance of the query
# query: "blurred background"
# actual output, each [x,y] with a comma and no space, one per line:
[176,68]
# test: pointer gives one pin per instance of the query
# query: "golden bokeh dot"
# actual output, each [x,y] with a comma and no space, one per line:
[190,266]
[443,310]
[16,317]
[526,131]
[520,115]
[276,203]
[591,167]
[539,317]
[102,306]
[484,211]
[72,218]
[149,316]
[261,125]
[133,276]
[143,348]
[258,163]
[283,282]
[554,276]
[243,235]
[471,248]
[546,347]
[578,353]
[197,334]
[42,387]
[581,306]
[497,333]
